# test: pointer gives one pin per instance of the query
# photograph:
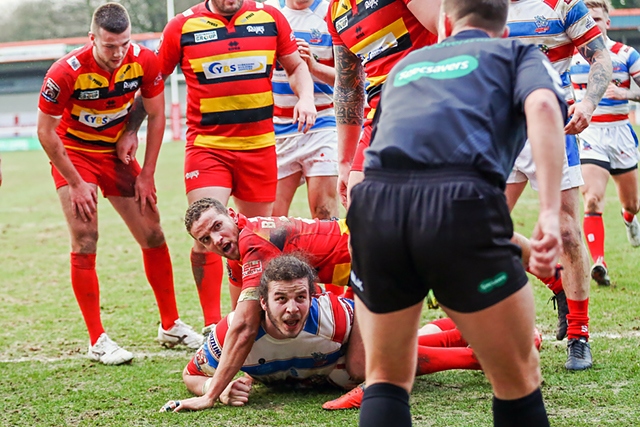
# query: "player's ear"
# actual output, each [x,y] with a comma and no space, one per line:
[263,304]
[233,215]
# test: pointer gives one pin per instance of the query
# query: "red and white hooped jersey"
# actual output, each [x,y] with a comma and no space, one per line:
[626,65]
[557,27]
[314,356]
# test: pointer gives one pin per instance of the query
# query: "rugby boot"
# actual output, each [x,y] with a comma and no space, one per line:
[349,400]
[107,352]
[633,230]
[180,334]
[560,304]
[599,273]
[578,355]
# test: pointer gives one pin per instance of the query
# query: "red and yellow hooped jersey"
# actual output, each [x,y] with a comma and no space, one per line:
[380,33]
[324,242]
[92,103]
[227,66]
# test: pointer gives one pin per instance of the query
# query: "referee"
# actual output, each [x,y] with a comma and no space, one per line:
[452,119]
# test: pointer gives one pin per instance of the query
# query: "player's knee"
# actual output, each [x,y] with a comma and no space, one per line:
[85,241]
[322,211]
[154,238]
[592,203]
[631,206]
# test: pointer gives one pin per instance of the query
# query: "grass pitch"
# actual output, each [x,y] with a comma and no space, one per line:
[46,379]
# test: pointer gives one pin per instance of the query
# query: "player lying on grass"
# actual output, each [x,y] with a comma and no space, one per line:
[304,341]
[441,347]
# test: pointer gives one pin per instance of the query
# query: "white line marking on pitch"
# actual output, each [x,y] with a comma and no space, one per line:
[179,354]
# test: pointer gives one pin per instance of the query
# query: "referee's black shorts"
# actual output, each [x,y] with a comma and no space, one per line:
[446,230]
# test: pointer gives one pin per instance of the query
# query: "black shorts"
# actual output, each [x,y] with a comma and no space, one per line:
[446,230]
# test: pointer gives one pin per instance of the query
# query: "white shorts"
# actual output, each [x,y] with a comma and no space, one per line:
[612,146]
[313,154]
[524,169]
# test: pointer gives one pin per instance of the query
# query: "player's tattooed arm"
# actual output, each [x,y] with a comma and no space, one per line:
[596,53]
[349,95]
[136,115]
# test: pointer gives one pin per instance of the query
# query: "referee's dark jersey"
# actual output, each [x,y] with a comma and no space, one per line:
[459,103]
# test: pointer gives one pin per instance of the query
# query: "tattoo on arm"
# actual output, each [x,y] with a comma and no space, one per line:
[136,115]
[595,52]
[348,95]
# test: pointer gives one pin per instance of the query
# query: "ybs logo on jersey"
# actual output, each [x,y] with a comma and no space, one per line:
[235,67]
[94,120]
[451,68]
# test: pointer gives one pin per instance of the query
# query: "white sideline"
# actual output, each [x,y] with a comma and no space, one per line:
[165,354]
[179,354]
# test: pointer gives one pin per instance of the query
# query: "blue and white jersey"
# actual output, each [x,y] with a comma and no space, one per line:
[626,65]
[308,24]
[557,27]
[310,358]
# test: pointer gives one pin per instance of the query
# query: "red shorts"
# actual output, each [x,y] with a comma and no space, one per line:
[252,175]
[365,141]
[103,169]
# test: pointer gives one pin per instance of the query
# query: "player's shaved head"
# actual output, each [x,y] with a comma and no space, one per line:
[286,268]
[602,4]
[111,17]
[490,15]
[195,210]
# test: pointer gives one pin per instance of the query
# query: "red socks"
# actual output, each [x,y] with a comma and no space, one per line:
[554,283]
[435,359]
[207,270]
[157,266]
[594,233]
[84,282]
[628,216]
[578,319]
[449,338]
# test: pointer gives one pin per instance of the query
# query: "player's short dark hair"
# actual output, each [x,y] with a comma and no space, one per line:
[195,210]
[490,15]
[603,4]
[288,267]
[111,17]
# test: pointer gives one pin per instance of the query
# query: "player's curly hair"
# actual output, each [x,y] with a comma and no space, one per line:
[195,210]
[111,17]
[287,267]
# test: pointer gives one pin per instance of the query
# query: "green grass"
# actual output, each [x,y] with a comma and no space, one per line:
[47,381]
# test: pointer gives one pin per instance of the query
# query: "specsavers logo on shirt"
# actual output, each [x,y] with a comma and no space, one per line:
[234,67]
[450,68]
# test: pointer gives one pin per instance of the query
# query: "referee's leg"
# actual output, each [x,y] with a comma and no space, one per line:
[502,339]
[390,343]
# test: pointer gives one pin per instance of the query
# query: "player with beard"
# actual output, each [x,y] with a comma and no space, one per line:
[304,340]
